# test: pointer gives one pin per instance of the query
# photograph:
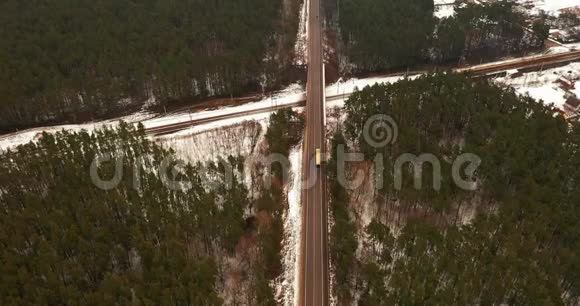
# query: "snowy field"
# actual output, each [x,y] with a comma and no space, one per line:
[550,7]
[301,47]
[541,85]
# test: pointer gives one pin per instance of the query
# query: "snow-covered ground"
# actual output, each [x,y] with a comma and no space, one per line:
[342,87]
[301,46]
[444,8]
[22,137]
[291,94]
[538,84]
[541,85]
[444,11]
[287,289]
[210,145]
[551,7]
[294,93]
[443,2]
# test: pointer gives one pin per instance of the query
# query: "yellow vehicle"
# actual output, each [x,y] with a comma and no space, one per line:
[318,158]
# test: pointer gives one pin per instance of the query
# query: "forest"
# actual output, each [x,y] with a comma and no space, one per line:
[70,61]
[513,240]
[381,34]
[378,35]
[155,237]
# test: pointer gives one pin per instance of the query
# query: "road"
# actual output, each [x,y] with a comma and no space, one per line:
[313,253]
[478,70]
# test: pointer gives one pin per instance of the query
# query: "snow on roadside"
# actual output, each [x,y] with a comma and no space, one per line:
[238,136]
[209,145]
[301,47]
[197,129]
[292,94]
[287,290]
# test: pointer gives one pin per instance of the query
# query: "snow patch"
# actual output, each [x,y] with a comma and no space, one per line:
[292,94]
[444,11]
[554,6]
[301,47]
[542,85]
[288,289]
[347,87]
[211,145]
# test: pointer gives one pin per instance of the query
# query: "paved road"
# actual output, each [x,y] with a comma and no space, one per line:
[314,255]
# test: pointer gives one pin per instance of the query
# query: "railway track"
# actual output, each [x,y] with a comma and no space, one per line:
[523,63]
[478,71]
[175,127]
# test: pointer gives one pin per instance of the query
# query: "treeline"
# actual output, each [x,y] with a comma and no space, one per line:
[155,236]
[379,35]
[78,60]
[65,240]
[284,132]
[342,235]
[490,30]
[511,241]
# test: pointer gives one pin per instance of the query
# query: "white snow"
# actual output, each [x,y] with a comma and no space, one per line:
[211,144]
[22,137]
[444,11]
[197,129]
[553,6]
[548,93]
[444,8]
[289,288]
[301,47]
[347,87]
[292,94]
[538,84]
[541,85]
